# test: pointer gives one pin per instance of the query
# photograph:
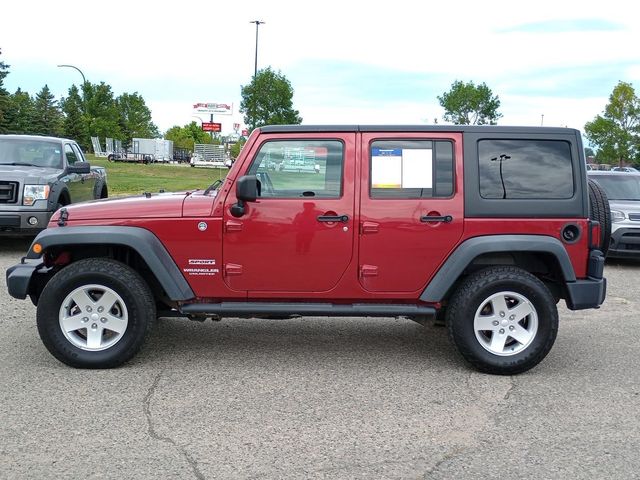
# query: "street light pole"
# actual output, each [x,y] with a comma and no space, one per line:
[255,68]
[84,80]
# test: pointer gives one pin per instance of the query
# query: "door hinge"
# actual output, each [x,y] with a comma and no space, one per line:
[233,226]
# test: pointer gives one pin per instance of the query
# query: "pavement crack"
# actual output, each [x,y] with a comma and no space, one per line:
[452,454]
[153,433]
[511,388]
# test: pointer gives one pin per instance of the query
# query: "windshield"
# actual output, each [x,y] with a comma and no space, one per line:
[30,152]
[620,187]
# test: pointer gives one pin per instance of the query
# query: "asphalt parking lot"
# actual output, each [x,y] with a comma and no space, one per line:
[323,398]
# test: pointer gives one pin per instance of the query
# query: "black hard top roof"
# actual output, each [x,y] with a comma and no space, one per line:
[415,128]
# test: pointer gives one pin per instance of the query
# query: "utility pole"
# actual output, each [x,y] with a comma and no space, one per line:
[255,68]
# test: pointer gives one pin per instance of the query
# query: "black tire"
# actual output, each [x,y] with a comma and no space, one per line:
[474,293]
[600,212]
[110,158]
[106,273]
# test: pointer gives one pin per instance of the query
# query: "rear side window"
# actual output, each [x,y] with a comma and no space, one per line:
[411,169]
[535,169]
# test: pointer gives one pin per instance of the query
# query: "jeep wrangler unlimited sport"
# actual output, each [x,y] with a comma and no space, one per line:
[486,228]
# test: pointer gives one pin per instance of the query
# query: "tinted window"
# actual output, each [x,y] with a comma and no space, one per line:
[78,152]
[411,169]
[525,169]
[300,168]
[70,154]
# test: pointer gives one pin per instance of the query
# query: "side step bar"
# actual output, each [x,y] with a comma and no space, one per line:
[249,309]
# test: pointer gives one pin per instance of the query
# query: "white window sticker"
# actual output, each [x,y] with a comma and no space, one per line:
[386,168]
[417,168]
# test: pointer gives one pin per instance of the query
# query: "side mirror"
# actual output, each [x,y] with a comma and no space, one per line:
[247,190]
[79,167]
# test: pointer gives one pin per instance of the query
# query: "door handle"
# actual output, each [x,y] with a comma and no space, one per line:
[434,218]
[333,218]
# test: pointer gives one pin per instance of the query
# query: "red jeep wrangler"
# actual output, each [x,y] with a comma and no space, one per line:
[484,227]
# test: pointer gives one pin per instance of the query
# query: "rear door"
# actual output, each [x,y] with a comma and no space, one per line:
[298,236]
[411,207]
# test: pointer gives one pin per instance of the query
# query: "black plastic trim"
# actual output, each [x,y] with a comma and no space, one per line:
[142,241]
[472,248]
[583,294]
[244,309]
[416,128]
[19,277]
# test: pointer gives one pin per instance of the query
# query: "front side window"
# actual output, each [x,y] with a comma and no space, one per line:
[534,169]
[70,154]
[299,168]
[411,169]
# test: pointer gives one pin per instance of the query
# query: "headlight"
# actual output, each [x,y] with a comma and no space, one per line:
[34,192]
[617,216]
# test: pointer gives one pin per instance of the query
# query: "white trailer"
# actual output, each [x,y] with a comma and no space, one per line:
[207,155]
[156,149]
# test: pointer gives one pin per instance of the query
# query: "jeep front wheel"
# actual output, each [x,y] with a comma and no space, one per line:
[503,320]
[95,313]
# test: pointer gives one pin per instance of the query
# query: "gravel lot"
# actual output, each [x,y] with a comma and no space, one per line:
[323,398]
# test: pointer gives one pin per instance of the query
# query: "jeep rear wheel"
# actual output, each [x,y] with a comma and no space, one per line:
[502,320]
[95,313]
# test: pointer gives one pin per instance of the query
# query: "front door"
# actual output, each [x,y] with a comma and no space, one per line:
[298,235]
[411,207]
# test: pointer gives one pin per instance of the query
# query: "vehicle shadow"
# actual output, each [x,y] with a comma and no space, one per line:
[312,340]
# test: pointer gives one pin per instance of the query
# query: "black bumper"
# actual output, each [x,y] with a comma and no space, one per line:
[589,292]
[19,277]
[625,243]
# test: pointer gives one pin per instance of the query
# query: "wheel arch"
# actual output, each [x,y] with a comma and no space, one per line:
[122,243]
[533,253]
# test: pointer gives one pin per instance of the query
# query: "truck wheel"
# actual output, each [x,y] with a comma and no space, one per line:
[600,212]
[502,320]
[95,313]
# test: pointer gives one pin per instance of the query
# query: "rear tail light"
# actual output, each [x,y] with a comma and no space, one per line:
[595,232]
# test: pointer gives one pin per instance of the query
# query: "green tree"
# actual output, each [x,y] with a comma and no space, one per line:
[135,117]
[616,133]
[47,117]
[21,113]
[268,100]
[4,97]
[101,113]
[588,152]
[470,104]
[74,125]
[187,136]
[236,148]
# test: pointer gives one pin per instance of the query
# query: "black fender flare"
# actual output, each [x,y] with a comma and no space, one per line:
[468,250]
[145,243]
[57,190]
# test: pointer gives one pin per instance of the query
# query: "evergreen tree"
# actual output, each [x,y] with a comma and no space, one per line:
[4,97]
[74,124]
[47,117]
[20,114]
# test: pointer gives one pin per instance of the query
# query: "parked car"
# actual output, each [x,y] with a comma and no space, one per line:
[457,222]
[623,192]
[625,169]
[38,175]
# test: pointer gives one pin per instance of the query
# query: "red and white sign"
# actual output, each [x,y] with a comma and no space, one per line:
[211,127]
[213,108]
[245,133]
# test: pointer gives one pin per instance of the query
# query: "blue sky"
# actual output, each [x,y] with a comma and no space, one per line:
[349,62]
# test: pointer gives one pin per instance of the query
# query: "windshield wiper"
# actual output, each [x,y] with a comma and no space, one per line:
[213,186]
[19,164]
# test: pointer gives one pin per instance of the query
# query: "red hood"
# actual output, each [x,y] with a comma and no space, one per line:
[160,205]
